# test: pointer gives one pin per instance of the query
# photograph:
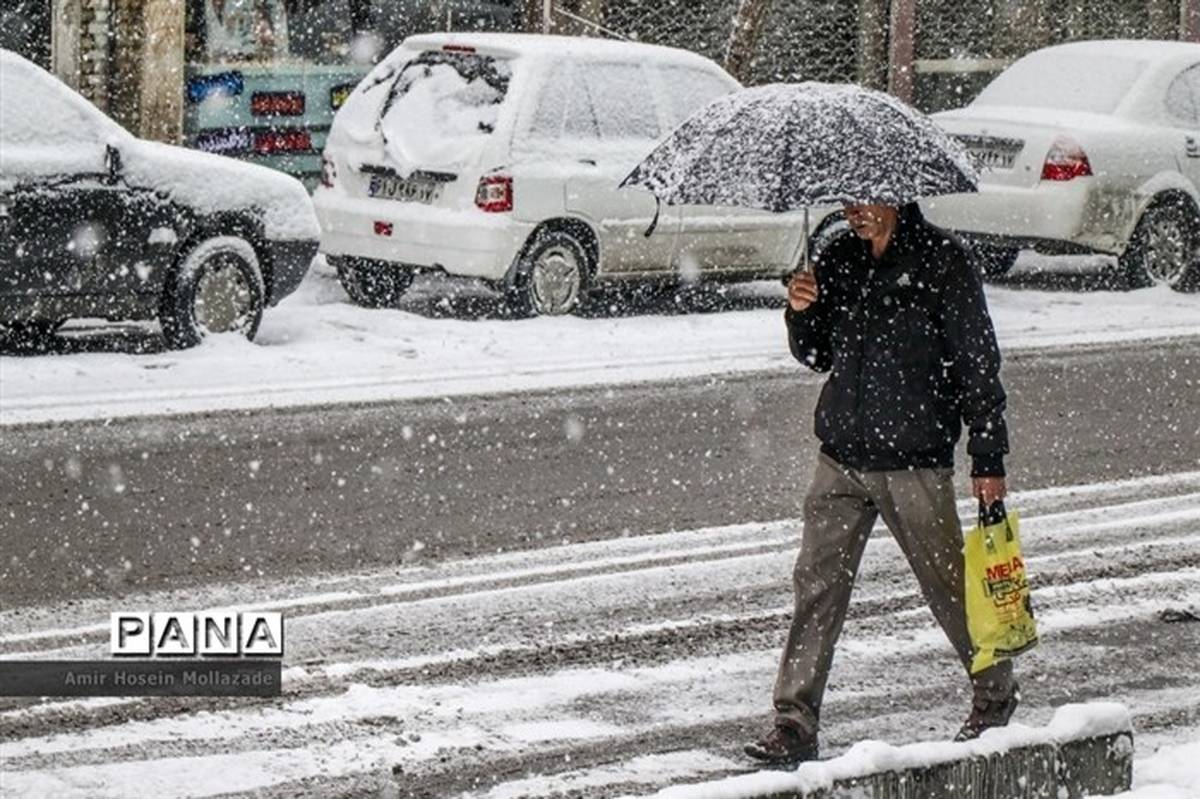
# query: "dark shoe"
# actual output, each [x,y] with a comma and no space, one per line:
[783,746]
[988,713]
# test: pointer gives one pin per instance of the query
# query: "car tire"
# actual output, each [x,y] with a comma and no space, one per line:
[373,284]
[216,288]
[1164,248]
[33,335]
[552,276]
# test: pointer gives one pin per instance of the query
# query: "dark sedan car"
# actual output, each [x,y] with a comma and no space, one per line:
[97,223]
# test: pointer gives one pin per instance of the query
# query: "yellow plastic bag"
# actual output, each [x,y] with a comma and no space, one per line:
[999,611]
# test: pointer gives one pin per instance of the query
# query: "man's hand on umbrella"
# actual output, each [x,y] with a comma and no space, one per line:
[988,489]
[802,290]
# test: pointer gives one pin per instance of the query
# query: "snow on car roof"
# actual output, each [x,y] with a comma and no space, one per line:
[575,47]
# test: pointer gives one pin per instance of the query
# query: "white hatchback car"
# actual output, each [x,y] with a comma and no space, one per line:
[1090,147]
[498,157]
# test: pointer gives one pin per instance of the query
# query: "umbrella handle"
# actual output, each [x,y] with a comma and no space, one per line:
[654,221]
[804,253]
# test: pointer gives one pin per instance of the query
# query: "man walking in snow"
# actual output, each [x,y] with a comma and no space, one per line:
[896,315]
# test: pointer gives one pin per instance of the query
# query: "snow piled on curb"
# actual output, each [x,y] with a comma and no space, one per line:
[1070,723]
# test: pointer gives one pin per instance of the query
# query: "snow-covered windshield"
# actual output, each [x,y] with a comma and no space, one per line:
[441,105]
[1069,82]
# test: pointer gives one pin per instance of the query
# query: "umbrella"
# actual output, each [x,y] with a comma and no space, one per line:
[787,146]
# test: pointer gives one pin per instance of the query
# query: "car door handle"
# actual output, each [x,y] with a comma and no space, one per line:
[1193,147]
[588,161]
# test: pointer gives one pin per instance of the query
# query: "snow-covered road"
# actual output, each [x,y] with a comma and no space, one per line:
[613,666]
[317,348]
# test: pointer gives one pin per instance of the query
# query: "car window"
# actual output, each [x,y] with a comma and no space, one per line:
[564,108]
[547,121]
[580,121]
[1182,96]
[622,100]
[688,90]
[441,106]
[36,109]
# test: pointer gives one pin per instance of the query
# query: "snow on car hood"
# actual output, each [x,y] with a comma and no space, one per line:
[212,183]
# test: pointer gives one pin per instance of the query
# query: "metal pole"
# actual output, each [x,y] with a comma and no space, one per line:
[902,49]
[547,14]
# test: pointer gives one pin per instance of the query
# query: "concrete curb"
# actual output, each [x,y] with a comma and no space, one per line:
[1090,767]
[1086,750]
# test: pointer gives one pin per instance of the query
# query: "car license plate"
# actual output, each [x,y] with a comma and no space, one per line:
[993,153]
[392,187]
[994,159]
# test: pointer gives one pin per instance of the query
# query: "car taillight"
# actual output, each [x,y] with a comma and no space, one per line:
[1065,161]
[267,142]
[328,172]
[495,194]
[457,48]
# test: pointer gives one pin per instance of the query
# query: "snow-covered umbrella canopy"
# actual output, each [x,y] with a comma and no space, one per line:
[787,146]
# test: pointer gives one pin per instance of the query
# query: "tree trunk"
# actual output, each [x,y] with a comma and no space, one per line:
[147,90]
[743,38]
[65,31]
[160,101]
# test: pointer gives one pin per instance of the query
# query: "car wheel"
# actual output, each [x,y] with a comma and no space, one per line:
[551,277]
[1164,248]
[373,284]
[994,260]
[217,288]
[31,336]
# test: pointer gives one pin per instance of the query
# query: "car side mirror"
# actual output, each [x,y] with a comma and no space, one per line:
[112,162]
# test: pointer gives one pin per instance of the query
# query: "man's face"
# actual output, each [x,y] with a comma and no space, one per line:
[870,221]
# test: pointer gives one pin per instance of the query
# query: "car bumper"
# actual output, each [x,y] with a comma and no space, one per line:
[466,243]
[1074,216]
[114,307]
[290,261]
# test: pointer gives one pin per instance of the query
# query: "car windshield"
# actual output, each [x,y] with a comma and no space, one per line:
[1071,82]
[442,102]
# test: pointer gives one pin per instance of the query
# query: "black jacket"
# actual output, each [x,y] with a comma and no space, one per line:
[910,351]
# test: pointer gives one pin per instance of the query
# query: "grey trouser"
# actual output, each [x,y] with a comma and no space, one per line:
[842,505]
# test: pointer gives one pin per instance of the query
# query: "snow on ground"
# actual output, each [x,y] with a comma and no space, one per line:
[465,666]
[317,348]
[1171,772]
